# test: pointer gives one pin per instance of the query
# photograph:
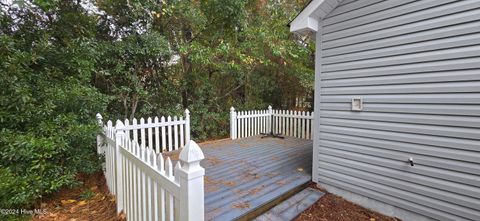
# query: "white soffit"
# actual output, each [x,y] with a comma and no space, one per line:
[307,21]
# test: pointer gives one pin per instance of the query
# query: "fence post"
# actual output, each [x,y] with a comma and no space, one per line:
[100,135]
[190,177]
[119,138]
[233,123]
[270,120]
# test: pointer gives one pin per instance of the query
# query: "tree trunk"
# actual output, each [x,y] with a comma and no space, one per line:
[186,68]
[134,106]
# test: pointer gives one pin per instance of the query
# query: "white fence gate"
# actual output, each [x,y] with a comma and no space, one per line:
[286,122]
[146,186]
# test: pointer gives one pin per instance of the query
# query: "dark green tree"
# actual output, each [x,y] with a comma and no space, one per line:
[47,58]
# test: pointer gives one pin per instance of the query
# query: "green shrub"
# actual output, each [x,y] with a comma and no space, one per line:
[47,109]
[87,194]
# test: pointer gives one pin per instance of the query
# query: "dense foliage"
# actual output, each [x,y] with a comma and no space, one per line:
[46,103]
[63,61]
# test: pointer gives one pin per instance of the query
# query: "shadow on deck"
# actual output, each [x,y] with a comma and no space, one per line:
[245,174]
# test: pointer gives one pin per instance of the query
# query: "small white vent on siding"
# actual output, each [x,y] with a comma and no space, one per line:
[357,104]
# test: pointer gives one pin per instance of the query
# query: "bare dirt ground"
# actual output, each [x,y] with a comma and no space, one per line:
[73,205]
[334,208]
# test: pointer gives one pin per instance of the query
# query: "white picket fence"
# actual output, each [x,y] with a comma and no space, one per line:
[286,122]
[161,134]
[146,186]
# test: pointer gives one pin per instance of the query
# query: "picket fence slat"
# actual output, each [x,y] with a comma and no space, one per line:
[164,140]
[153,186]
[150,133]
[169,133]
[157,136]
[287,127]
[169,174]
[160,168]
[286,122]
[135,132]
[254,126]
[143,184]
[175,133]
[182,139]
[130,187]
[136,185]
[278,123]
[126,123]
[293,124]
[142,133]
[309,126]
[244,123]
[246,128]
[249,127]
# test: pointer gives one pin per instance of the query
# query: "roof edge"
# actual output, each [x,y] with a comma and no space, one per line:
[307,20]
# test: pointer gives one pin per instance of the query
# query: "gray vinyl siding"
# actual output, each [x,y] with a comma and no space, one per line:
[416,64]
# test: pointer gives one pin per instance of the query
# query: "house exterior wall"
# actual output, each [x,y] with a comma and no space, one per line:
[416,65]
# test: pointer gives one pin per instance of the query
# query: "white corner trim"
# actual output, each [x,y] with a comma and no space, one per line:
[317,103]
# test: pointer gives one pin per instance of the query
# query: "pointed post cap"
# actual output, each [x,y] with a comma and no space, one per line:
[269,107]
[187,112]
[191,156]
[191,153]
[119,125]
[99,118]
[232,109]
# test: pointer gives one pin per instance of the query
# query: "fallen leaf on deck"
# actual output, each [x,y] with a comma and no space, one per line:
[281,182]
[242,205]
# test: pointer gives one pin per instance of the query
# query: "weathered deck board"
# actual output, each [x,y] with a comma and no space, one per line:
[292,207]
[244,174]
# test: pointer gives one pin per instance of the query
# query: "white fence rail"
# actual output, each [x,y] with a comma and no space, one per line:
[286,122]
[146,186]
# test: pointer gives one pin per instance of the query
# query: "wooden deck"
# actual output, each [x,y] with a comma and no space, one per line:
[245,174]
